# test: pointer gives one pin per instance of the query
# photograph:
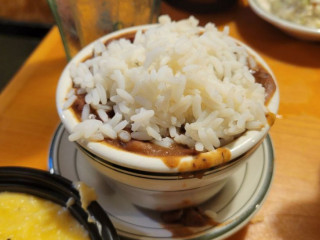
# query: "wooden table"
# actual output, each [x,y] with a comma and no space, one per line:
[28,120]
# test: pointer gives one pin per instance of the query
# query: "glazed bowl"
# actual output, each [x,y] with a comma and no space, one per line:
[59,190]
[154,182]
[261,8]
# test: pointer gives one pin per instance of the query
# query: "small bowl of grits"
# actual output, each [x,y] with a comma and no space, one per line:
[168,111]
[36,204]
[300,19]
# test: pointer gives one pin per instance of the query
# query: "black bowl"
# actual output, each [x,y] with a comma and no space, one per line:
[57,189]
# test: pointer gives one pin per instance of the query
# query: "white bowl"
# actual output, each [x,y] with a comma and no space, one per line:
[148,181]
[260,7]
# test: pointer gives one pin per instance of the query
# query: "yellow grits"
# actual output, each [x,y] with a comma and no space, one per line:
[23,216]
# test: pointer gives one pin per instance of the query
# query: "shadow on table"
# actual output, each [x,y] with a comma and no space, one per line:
[219,18]
[299,220]
[274,43]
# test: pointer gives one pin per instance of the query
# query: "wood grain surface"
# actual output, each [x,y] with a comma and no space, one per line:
[28,119]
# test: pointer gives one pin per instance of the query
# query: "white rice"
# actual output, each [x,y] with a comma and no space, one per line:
[177,82]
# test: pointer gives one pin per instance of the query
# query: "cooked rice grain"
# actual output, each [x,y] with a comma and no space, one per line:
[176,82]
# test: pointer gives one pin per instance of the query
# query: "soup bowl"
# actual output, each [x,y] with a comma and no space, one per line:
[163,182]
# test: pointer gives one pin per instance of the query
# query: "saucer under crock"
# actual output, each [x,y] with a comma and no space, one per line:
[235,205]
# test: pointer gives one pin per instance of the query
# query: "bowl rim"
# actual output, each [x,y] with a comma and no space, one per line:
[202,173]
[59,190]
[150,163]
[282,23]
